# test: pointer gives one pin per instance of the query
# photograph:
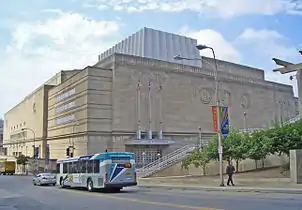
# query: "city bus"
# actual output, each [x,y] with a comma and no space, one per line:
[109,170]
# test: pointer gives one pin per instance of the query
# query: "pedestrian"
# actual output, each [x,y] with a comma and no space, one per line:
[230,169]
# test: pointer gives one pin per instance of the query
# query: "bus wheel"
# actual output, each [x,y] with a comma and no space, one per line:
[90,185]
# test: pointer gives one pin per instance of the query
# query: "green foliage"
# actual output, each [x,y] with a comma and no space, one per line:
[198,159]
[239,146]
[22,160]
[258,147]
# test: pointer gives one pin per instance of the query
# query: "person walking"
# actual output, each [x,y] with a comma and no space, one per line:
[230,169]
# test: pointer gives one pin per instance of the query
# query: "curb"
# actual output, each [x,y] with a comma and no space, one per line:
[224,189]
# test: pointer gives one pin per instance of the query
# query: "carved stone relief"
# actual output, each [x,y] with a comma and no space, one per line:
[206,95]
[245,101]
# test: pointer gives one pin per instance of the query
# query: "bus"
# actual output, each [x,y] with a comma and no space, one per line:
[109,170]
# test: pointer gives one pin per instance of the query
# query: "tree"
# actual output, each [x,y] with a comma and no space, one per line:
[198,159]
[258,146]
[237,147]
[22,160]
[284,138]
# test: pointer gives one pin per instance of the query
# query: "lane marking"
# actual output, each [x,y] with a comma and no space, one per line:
[133,200]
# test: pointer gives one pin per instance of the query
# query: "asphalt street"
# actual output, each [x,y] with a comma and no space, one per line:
[17,192]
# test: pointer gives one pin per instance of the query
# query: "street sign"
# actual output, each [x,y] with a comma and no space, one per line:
[224,123]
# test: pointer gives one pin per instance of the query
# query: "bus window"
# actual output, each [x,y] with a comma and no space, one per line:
[65,169]
[69,167]
[58,168]
[74,167]
[96,166]
[120,159]
[90,166]
[84,166]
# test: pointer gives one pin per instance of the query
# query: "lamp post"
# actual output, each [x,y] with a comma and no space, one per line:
[220,152]
[34,135]
[200,138]
[244,121]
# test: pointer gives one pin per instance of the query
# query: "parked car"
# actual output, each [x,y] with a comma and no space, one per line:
[44,179]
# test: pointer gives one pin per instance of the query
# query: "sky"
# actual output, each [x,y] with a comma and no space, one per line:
[38,38]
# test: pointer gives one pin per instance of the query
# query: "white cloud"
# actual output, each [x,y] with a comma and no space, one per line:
[210,8]
[224,50]
[39,50]
[266,44]
[269,43]
[262,45]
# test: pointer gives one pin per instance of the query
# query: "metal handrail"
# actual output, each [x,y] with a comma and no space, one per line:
[165,161]
[161,159]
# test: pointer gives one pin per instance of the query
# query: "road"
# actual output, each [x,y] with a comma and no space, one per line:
[19,193]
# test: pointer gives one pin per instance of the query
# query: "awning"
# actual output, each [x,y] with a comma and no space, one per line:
[149,142]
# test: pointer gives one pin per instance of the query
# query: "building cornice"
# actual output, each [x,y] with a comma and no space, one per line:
[143,63]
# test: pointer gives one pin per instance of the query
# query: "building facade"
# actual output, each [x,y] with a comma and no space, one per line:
[115,104]
[97,109]
[25,125]
[1,136]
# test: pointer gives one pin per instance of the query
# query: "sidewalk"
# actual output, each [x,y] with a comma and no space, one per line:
[222,189]
[243,183]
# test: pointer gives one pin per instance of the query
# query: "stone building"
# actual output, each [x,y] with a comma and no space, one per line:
[102,106]
[1,136]
[25,125]
[96,109]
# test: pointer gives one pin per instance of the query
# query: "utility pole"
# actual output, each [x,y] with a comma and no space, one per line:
[138,98]
[150,113]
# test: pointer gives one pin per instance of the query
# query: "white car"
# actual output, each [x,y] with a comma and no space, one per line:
[44,179]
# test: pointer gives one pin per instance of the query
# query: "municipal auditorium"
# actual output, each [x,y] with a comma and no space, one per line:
[136,88]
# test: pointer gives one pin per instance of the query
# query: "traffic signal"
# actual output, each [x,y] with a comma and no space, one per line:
[36,152]
[67,152]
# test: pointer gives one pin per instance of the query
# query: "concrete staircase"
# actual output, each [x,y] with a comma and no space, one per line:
[165,161]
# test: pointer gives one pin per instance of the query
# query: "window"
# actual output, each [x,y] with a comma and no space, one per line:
[58,168]
[84,166]
[120,160]
[90,166]
[65,168]
[70,167]
[96,166]
[74,167]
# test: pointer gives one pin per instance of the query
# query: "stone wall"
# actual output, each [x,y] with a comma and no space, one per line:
[213,167]
[28,114]
[187,95]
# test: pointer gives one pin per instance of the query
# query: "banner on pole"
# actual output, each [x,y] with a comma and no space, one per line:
[214,115]
[224,121]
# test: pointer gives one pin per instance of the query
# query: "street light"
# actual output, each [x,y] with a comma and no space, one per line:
[203,47]
[200,139]
[244,121]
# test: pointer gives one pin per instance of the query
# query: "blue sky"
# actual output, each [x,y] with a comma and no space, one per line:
[41,37]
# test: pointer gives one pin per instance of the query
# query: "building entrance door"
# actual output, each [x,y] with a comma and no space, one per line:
[145,154]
